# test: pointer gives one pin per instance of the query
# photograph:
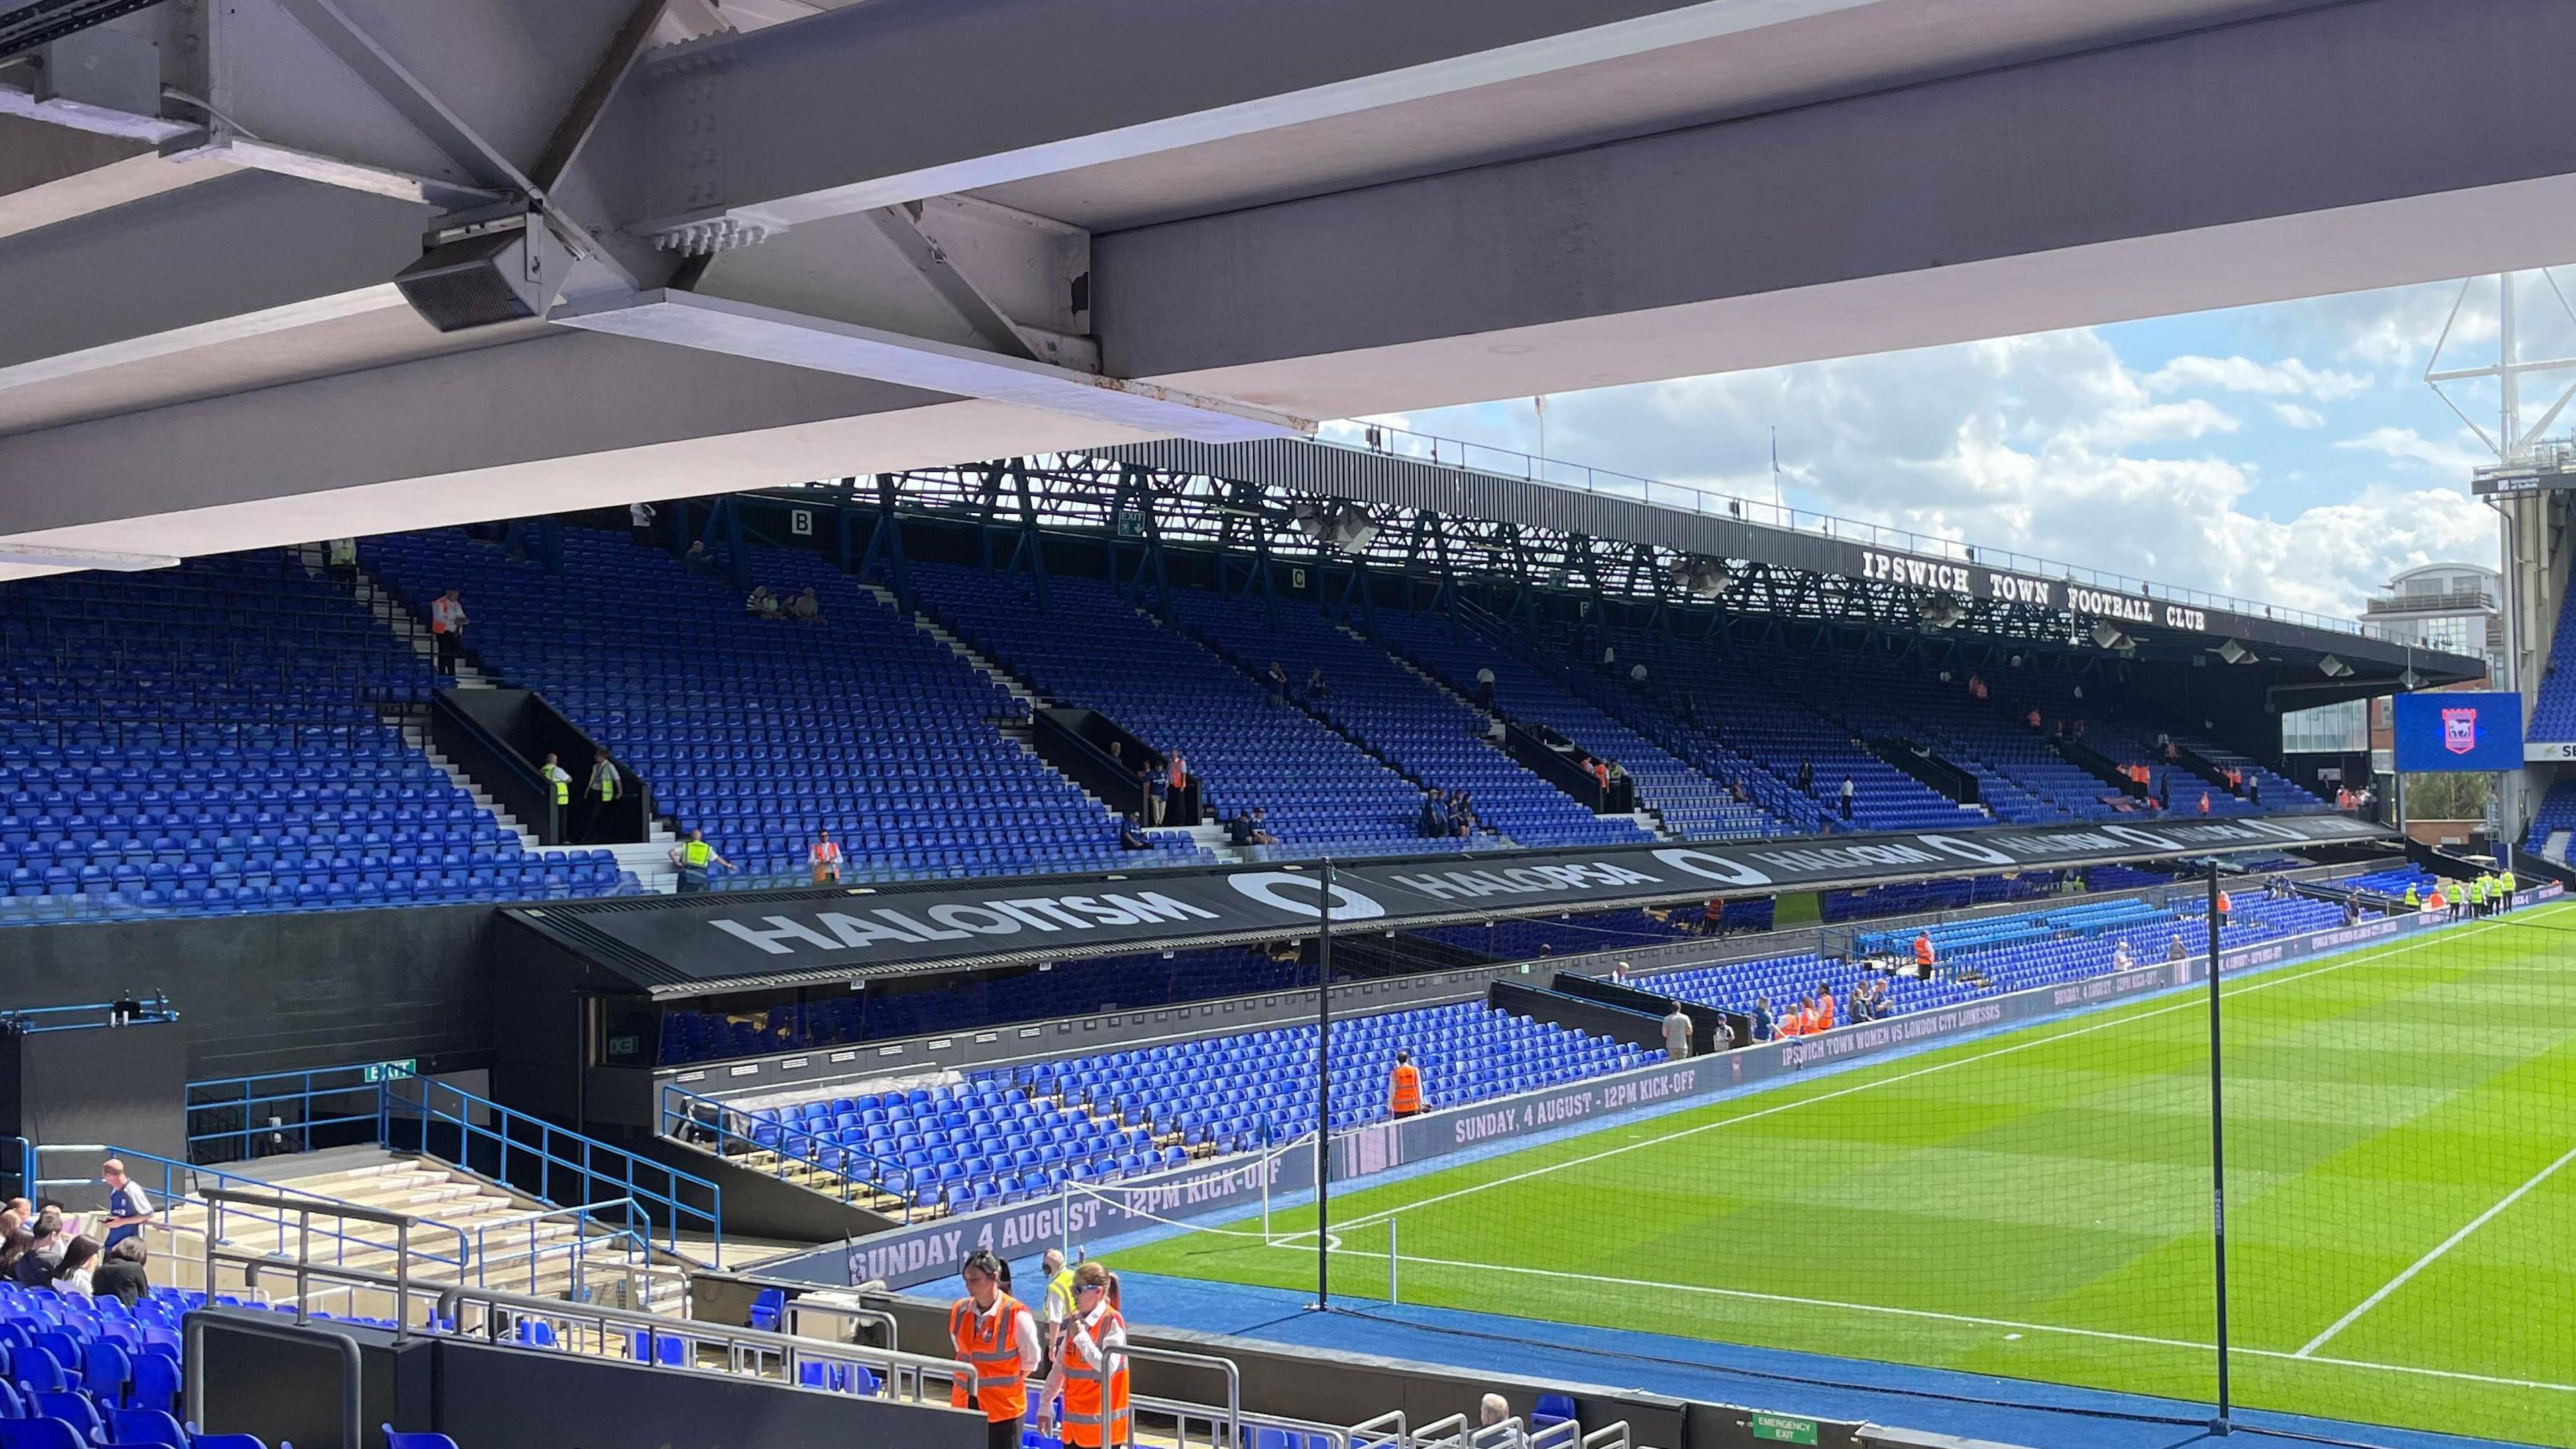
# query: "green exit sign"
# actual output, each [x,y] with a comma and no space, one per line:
[1781,1429]
[410,1067]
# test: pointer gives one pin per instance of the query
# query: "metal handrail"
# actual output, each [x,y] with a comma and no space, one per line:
[621,1167]
[1451,1430]
[744,1347]
[796,1308]
[426,1101]
[576,1249]
[1563,1434]
[1510,1433]
[1227,1366]
[1610,1436]
[1402,1440]
[302,1263]
[676,1121]
[1337,1435]
[172,1196]
[352,1367]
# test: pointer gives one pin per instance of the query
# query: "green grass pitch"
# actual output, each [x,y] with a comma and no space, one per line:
[2402,1239]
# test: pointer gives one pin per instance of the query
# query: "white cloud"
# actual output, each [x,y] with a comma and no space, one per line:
[2405,445]
[2031,443]
[2288,377]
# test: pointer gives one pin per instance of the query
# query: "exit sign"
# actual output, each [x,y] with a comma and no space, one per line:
[1782,1429]
[410,1067]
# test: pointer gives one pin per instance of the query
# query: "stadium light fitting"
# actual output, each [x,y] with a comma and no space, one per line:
[1351,528]
[2333,668]
[2236,653]
[1943,610]
[1702,578]
[2108,636]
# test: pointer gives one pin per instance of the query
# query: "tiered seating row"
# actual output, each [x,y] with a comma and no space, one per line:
[207,740]
[762,731]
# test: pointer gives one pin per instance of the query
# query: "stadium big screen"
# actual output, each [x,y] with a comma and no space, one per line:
[2458,732]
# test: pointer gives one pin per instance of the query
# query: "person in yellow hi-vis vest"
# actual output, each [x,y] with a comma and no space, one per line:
[598,794]
[1058,1304]
[558,795]
[691,857]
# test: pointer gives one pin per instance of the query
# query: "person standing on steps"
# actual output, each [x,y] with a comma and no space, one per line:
[447,629]
[692,857]
[597,795]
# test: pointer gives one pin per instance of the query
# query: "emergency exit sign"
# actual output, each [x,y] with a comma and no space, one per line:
[410,1067]
[1782,1429]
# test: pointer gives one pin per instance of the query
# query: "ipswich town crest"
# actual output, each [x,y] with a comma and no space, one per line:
[2460,730]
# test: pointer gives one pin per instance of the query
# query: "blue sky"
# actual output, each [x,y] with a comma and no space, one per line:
[2290,453]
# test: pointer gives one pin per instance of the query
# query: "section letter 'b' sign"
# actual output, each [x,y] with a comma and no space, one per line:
[1297,895]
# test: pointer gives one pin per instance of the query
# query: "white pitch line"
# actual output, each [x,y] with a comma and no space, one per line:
[2427,1261]
[1926,1313]
[2373,954]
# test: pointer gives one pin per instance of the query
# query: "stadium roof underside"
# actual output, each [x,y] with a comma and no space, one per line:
[1714,562]
[908,232]
[673,946]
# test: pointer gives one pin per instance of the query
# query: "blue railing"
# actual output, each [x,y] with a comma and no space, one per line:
[242,1118]
[178,1182]
[729,1132]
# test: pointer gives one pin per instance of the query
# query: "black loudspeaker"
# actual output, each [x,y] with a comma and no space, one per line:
[495,276]
[119,1086]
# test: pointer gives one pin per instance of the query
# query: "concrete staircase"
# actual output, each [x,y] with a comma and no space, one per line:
[389,612]
[1017,733]
[509,1242]
[649,859]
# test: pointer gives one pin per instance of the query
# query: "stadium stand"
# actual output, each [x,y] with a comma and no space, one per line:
[761,731]
[2553,713]
[1003,1135]
[2553,823]
[1692,802]
[1432,737]
[212,740]
[2393,882]
[1996,954]
[1228,1093]
[1091,648]
[106,1372]
[1789,730]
